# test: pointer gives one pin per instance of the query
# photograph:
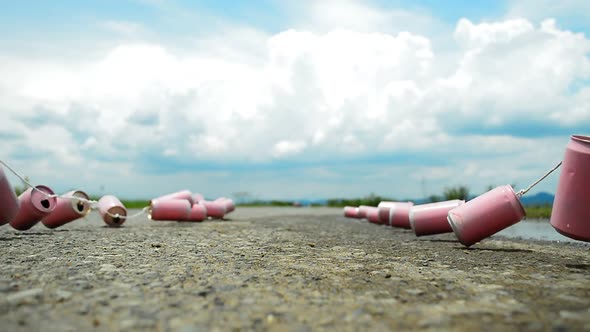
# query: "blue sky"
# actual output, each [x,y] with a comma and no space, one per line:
[273,15]
[283,99]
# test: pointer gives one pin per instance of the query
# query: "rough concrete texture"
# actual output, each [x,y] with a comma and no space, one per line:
[294,269]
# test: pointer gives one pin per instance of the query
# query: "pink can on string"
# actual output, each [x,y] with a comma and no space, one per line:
[363,209]
[351,212]
[373,215]
[8,200]
[399,214]
[197,198]
[198,212]
[229,204]
[430,219]
[171,209]
[69,207]
[486,215]
[112,211]
[571,208]
[215,210]
[35,203]
[489,213]
[183,194]
[385,210]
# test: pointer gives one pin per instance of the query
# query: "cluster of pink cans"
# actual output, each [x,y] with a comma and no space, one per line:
[498,208]
[471,222]
[394,214]
[185,206]
[423,219]
[40,204]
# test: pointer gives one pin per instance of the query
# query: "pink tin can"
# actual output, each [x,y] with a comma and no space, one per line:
[215,210]
[486,215]
[8,200]
[399,214]
[373,215]
[183,194]
[363,209]
[197,198]
[198,212]
[170,209]
[571,208]
[351,212]
[229,204]
[384,211]
[429,219]
[112,211]
[35,204]
[68,209]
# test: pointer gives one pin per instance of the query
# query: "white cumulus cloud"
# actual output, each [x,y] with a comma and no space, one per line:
[307,95]
[286,148]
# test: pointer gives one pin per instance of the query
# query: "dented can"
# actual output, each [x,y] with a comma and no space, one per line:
[67,209]
[486,215]
[112,211]
[35,204]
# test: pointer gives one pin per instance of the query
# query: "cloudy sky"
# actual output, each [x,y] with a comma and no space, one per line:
[291,99]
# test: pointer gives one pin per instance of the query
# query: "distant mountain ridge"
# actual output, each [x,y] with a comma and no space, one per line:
[541,198]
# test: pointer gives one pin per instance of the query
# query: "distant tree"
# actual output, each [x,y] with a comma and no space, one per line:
[242,197]
[372,200]
[434,198]
[280,203]
[460,192]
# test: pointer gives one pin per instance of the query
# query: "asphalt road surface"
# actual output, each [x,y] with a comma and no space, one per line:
[292,269]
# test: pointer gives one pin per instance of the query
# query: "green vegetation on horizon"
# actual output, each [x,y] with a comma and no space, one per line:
[538,211]
[267,203]
[135,204]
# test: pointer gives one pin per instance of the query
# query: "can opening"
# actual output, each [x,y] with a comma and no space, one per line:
[80,206]
[581,138]
[45,203]
[116,220]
